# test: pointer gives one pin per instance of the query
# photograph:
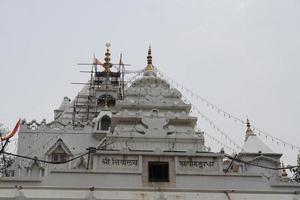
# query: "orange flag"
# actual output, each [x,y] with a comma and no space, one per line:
[12,133]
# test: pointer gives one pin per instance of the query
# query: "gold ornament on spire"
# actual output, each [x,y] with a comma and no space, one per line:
[149,67]
[107,65]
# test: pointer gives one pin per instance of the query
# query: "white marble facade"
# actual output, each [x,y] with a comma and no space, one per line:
[151,123]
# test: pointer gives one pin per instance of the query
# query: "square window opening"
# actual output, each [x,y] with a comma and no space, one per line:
[158,171]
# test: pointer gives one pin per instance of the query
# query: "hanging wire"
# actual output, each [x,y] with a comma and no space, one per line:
[43,145]
[45,161]
[261,166]
[224,113]
[204,100]
[132,79]
[214,139]
[259,131]
[213,125]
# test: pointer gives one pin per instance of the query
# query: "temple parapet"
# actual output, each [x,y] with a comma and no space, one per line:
[35,126]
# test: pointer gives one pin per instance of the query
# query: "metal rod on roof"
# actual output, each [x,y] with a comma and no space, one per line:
[100,64]
[231,163]
[80,83]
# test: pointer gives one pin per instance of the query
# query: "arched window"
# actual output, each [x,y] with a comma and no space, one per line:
[105,123]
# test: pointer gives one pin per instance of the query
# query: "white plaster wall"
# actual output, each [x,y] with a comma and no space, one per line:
[137,195]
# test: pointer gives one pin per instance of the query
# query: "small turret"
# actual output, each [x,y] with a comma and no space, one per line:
[65,104]
[252,143]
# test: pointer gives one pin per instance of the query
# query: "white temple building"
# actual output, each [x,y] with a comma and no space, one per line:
[135,142]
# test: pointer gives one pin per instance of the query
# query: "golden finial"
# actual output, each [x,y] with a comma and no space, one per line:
[149,61]
[248,123]
[107,65]
[248,130]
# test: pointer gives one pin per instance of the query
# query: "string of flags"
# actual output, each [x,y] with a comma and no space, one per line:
[225,114]
[203,100]
[132,79]
[208,135]
[211,123]
[220,143]
[215,127]
[207,119]
[274,139]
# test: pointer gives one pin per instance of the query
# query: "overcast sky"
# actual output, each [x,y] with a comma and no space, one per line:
[241,55]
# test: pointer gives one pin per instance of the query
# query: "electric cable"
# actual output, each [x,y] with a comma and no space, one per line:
[220,110]
[261,166]
[45,161]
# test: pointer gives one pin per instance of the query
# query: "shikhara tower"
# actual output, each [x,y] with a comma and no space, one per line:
[134,142]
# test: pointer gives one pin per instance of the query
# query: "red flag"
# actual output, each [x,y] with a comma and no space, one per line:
[12,133]
[97,62]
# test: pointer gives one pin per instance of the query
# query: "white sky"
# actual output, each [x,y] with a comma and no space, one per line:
[241,55]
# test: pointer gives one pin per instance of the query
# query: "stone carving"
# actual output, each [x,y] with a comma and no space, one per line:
[81,164]
[56,124]
[140,128]
[59,143]
[171,129]
[153,99]
[155,125]
[33,125]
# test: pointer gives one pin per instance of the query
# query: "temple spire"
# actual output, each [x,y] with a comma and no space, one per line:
[149,67]
[249,131]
